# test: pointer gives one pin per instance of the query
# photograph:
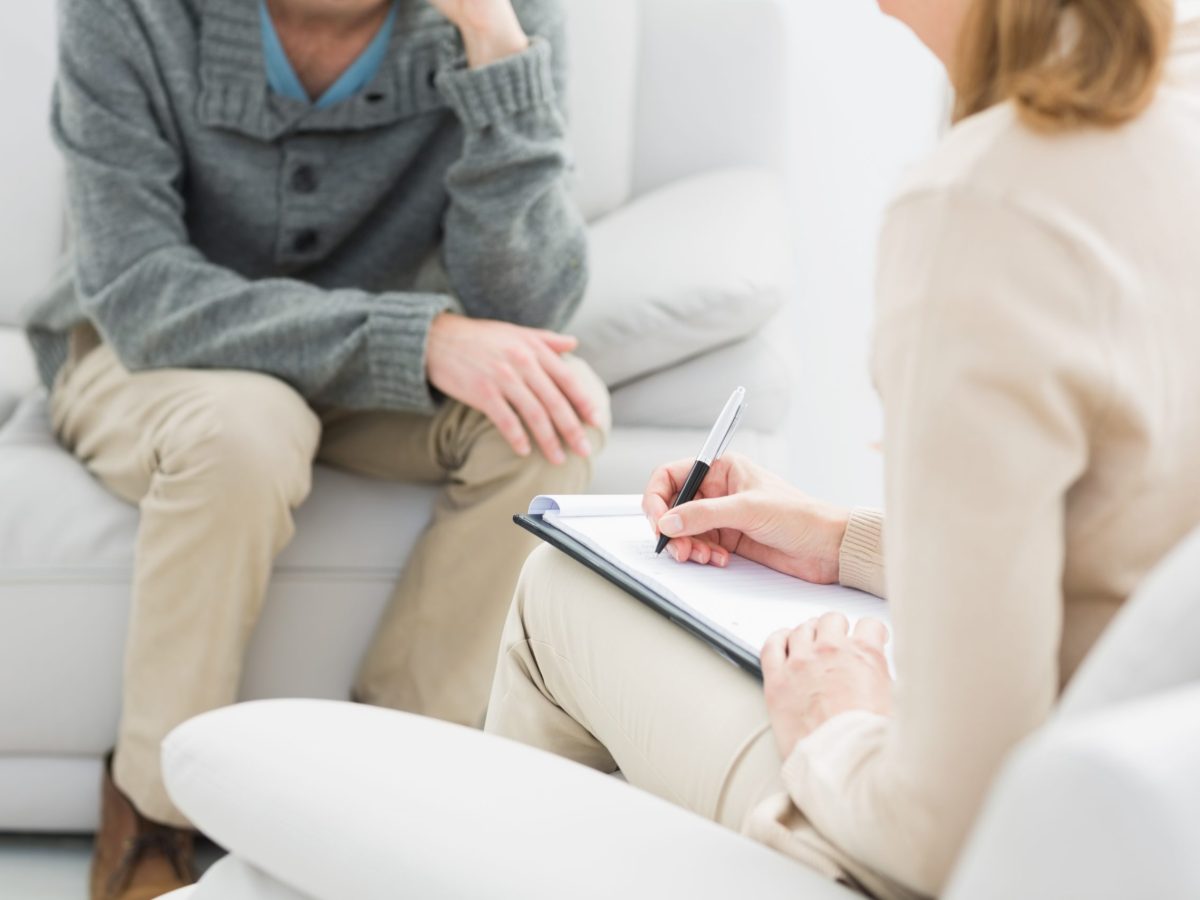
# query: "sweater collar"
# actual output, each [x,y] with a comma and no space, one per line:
[234,94]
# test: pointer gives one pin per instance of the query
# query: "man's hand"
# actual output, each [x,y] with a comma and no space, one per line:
[820,670]
[513,375]
[742,508]
[490,29]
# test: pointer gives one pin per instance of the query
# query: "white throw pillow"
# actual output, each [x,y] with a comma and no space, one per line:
[693,266]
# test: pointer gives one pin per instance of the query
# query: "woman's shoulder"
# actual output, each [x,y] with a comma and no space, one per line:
[1078,175]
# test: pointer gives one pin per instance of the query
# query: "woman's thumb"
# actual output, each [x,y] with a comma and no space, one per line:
[700,516]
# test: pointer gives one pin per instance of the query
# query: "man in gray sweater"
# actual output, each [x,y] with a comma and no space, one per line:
[309,229]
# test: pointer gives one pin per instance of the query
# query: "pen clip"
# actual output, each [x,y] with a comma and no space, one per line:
[725,441]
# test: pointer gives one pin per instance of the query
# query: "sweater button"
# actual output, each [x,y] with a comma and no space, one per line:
[306,241]
[304,180]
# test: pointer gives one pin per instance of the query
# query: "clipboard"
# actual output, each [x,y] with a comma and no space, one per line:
[720,642]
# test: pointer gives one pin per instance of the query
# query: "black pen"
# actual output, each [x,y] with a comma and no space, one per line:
[718,440]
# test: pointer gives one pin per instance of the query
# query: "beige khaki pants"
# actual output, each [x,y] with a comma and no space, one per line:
[217,461]
[589,673]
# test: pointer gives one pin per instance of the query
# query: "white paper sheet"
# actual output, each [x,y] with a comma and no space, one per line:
[746,600]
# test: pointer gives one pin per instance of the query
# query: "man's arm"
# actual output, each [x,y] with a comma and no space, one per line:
[515,244]
[155,299]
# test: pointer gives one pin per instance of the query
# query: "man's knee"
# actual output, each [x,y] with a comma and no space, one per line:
[244,435]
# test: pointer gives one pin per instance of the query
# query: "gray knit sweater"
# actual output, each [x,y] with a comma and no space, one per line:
[217,225]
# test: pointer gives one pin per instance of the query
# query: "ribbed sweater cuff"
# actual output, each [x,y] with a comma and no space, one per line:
[485,96]
[397,347]
[861,558]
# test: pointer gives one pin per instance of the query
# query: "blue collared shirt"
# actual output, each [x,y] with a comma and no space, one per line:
[282,77]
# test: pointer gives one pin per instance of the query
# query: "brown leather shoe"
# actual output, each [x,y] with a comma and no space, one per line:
[136,859]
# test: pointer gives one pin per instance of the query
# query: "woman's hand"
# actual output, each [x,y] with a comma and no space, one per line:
[490,29]
[821,670]
[513,375]
[744,509]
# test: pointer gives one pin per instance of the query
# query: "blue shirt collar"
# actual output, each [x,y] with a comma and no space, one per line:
[282,77]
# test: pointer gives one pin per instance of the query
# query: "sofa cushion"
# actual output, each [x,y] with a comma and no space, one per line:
[31,214]
[693,266]
[1150,647]
[1102,805]
[66,553]
[691,394]
[338,800]
[17,373]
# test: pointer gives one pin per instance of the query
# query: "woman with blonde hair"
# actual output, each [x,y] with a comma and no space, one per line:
[1036,353]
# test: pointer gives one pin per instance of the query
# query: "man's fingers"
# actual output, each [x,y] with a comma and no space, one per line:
[536,419]
[562,413]
[559,343]
[508,424]
[871,631]
[571,385]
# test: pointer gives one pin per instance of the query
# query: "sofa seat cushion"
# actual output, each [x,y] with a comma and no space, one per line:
[694,266]
[17,373]
[66,553]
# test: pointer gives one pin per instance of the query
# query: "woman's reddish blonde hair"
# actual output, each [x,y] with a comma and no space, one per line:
[1064,63]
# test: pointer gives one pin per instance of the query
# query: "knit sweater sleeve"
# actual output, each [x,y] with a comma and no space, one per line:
[515,245]
[861,557]
[152,295]
[991,361]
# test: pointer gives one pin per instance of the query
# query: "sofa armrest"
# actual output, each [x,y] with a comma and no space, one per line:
[18,375]
[1104,805]
[341,800]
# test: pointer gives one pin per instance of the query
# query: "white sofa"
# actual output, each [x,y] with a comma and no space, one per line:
[325,801]
[678,122]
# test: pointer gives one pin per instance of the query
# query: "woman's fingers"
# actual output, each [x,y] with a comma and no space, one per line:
[702,550]
[872,631]
[665,484]
[802,638]
[832,627]
[774,652]
[700,516]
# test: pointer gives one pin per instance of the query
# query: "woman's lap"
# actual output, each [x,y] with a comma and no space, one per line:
[590,673]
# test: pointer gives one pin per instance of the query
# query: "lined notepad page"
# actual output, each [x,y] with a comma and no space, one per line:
[747,600]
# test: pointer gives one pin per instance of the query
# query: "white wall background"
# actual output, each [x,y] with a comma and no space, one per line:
[868,100]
